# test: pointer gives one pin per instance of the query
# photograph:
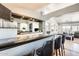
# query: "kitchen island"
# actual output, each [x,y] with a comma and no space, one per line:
[25,47]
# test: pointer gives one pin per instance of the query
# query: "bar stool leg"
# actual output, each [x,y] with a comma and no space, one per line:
[59,52]
[62,50]
[56,52]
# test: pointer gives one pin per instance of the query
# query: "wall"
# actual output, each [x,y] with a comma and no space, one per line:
[24,25]
[69,17]
[35,25]
[51,25]
[73,18]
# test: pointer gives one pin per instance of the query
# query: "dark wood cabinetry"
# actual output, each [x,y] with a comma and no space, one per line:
[5,13]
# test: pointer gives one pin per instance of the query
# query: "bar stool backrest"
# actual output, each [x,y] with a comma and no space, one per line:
[63,38]
[57,43]
[47,48]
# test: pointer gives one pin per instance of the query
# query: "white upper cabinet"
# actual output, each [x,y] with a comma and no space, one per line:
[0,22]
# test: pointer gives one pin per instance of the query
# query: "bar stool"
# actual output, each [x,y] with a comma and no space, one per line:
[62,46]
[45,50]
[57,46]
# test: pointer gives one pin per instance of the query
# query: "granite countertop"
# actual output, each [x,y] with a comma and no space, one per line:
[28,36]
[14,44]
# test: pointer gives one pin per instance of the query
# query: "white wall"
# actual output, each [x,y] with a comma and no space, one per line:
[70,17]
[24,25]
[35,25]
[51,25]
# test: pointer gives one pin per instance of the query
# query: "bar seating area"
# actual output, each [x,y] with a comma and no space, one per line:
[39,29]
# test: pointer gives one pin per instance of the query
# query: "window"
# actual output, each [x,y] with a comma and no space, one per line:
[74,28]
[66,28]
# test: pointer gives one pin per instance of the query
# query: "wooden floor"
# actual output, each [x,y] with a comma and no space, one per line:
[72,47]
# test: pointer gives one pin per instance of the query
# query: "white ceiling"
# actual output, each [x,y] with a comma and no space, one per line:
[54,7]
[29,6]
[62,11]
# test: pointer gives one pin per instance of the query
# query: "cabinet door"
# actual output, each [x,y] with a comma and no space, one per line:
[5,23]
[0,23]
[5,13]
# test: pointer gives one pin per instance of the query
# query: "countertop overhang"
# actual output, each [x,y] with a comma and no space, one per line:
[11,45]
